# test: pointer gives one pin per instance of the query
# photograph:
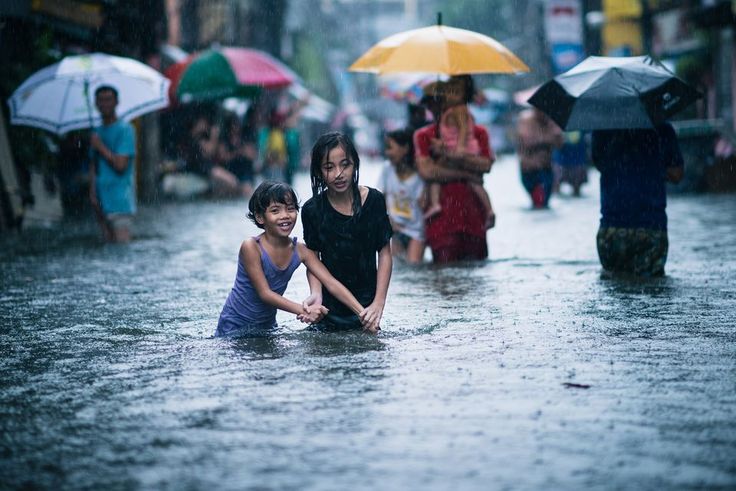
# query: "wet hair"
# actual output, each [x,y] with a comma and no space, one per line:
[321,150]
[468,86]
[404,137]
[270,192]
[103,88]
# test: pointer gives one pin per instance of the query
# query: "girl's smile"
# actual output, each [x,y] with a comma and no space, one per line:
[279,218]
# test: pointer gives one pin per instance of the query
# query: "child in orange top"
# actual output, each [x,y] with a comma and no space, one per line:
[456,133]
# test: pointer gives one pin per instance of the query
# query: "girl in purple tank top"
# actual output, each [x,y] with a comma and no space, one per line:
[265,266]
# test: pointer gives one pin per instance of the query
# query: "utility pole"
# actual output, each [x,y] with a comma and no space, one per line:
[11,202]
[646,27]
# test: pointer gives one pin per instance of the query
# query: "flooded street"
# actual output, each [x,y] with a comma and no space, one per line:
[528,371]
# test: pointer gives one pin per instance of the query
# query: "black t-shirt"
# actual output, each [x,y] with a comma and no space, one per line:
[348,246]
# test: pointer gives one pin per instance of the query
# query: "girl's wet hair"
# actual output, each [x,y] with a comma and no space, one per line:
[404,137]
[270,192]
[321,150]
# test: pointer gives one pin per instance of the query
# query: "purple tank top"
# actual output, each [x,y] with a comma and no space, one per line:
[244,311]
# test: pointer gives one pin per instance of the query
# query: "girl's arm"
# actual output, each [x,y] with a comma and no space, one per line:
[315,289]
[321,273]
[372,314]
[250,255]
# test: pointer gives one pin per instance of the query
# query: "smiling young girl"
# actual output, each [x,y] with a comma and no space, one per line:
[347,226]
[265,265]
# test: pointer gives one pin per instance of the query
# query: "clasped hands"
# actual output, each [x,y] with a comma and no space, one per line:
[313,312]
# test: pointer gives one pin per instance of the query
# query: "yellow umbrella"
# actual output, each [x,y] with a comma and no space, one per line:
[439,49]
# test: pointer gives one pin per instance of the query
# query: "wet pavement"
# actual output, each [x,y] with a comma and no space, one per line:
[528,371]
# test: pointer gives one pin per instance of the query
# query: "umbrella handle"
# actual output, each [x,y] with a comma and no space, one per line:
[86,100]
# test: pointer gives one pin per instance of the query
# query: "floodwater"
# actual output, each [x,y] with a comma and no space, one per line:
[528,371]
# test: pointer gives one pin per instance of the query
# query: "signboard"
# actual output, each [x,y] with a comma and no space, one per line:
[563,21]
[84,14]
[566,56]
[673,33]
[563,24]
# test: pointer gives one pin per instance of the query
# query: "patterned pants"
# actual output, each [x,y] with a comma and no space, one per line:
[640,251]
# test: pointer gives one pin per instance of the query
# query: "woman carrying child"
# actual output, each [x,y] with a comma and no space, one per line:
[347,226]
[458,232]
[404,191]
[265,265]
[456,132]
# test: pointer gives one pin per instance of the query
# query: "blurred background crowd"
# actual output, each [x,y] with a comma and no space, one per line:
[204,146]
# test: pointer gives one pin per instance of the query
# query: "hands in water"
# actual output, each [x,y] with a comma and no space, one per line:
[370,317]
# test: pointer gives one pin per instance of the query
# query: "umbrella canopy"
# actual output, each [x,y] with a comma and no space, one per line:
[227,72]
[60,97]
[613,93]
[439,49]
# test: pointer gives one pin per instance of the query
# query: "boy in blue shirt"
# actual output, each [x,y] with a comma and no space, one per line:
[112,173]
[635,165]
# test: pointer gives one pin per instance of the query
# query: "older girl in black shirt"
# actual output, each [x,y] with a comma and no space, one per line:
[347,226]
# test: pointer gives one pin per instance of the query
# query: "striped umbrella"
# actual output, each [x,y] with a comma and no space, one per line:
[227,72]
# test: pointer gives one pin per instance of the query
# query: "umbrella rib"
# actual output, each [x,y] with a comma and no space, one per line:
[63,103]
[637,93]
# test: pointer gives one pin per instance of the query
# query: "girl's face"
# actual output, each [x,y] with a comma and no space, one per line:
[395,152]
[338,170]
[279,219]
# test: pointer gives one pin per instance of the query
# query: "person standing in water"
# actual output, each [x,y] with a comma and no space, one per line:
[458,232]
[635,166]
[112,172]
[265,265]
[455,127]
[405,196]
[537,136]
[347,226]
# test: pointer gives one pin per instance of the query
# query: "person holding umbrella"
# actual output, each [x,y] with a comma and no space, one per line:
[635,165]
[626,101]
[112,173]
[57,99]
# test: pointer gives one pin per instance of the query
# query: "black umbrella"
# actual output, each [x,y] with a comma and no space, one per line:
[612,93]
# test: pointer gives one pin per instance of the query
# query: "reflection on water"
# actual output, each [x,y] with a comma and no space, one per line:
[110,376]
